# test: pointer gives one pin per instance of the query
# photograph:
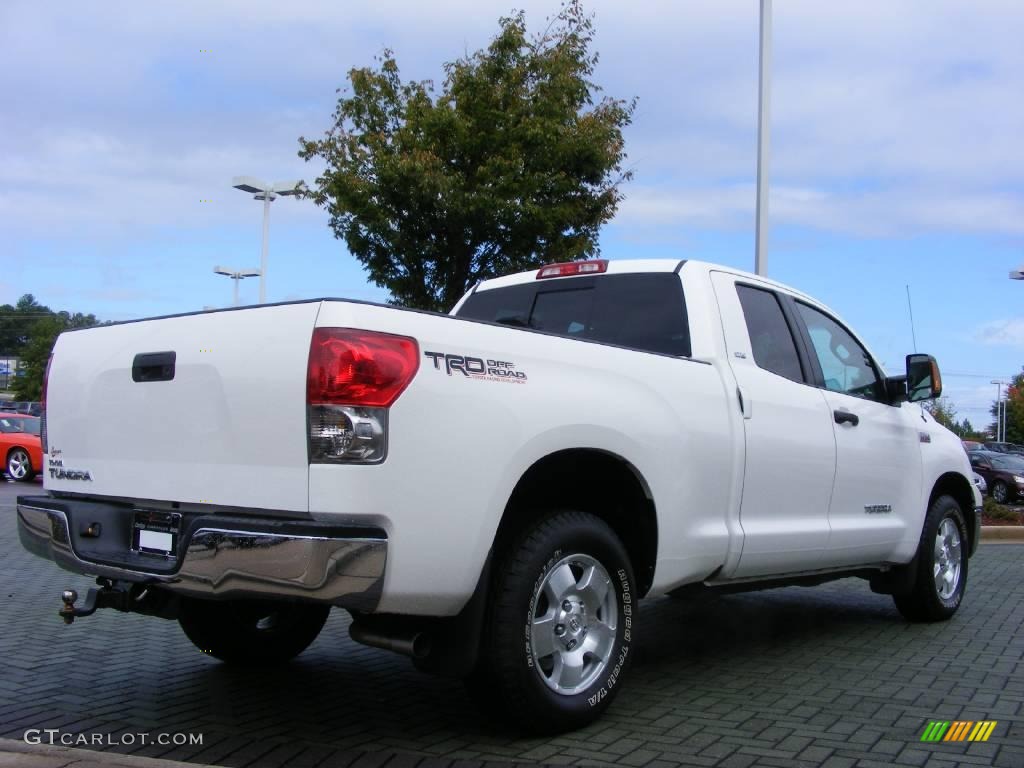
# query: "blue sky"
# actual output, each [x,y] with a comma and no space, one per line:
[896,154]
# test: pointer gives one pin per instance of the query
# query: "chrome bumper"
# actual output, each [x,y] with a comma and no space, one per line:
[219,562]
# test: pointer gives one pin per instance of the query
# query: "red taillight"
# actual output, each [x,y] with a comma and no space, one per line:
[364,368]
[595,267]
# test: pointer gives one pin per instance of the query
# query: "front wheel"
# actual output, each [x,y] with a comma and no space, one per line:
[19,465]
[560,630]
[251,632]
[941,565]
[1000,492]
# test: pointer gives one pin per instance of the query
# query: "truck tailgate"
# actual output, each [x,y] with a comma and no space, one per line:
[227,429]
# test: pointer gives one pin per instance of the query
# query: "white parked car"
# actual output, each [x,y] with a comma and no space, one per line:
[491,492]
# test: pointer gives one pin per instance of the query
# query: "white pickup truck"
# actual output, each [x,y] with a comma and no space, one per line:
[491,492]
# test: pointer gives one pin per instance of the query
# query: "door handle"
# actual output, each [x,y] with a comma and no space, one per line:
[845,417]
[745,404]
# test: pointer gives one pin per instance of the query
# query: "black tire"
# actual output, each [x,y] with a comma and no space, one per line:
[251,632]
[1000,492]
[508,677]
[19,466]
[925,602]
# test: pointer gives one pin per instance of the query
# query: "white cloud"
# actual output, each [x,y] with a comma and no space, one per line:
[897,212]
[889,119]
[1002,333]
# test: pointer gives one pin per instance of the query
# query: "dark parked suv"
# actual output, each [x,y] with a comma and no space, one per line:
[1004,473]
[1005,448]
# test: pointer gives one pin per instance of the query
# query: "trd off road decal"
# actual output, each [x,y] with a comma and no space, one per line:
[476,367]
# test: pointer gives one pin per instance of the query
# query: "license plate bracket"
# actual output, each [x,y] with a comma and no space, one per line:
[155,533]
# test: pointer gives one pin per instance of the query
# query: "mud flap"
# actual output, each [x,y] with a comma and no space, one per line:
[896,581]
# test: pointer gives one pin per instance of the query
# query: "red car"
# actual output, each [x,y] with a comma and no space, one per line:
[20,446]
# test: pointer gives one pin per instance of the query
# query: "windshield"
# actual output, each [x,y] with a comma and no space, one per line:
[27,425]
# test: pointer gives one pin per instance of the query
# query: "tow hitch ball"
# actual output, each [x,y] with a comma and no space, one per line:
[68,611]
[109,595]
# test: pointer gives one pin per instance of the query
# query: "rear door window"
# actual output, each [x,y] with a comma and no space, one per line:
[771,340]
[644,311]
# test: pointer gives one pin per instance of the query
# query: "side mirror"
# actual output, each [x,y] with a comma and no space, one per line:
[924,382]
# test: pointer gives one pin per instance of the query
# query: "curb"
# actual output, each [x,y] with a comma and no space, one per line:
[22,755]
[1002,533]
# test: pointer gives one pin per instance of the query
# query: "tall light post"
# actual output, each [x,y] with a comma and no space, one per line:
[236,276]
[764,83]
[1000,411]
[266,192]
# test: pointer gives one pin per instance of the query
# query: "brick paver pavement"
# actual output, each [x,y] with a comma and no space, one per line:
[829,676]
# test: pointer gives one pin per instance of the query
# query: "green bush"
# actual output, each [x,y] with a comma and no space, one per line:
[999,512]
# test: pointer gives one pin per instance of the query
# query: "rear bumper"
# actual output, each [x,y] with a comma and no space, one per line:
[218,556]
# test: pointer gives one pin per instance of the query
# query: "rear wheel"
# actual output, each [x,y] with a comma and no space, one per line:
[19,465]
[251,632]
[941,565]
[559,631]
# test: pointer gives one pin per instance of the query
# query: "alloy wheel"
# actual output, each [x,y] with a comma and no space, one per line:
[18,464]
[948,559]
[574,624]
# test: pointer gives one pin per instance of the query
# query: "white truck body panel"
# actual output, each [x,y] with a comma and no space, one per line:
[577,395]
[228,430]
[749,475]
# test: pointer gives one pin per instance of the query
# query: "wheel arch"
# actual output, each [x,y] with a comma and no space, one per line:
[590,480]
[14,448]
[959,487]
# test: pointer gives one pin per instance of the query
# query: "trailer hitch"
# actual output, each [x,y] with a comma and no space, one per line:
[108,596]
[124,596]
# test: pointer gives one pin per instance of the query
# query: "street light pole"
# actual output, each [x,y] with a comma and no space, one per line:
[1000,428]
[763,130]
[266,192]
[263,252]
[236,275]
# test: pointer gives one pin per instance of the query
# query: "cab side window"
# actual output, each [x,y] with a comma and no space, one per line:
[771,341]
[845,364]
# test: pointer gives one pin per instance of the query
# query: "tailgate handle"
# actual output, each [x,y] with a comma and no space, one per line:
[153,366]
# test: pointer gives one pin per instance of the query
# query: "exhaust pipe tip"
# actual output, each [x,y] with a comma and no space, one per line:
[421,645]
[411,643]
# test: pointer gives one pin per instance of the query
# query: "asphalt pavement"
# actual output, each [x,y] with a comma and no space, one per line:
[791,678]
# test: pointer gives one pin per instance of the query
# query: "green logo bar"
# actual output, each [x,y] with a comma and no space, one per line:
[935,730]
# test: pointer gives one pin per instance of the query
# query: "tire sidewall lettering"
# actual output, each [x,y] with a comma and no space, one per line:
[626,607]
